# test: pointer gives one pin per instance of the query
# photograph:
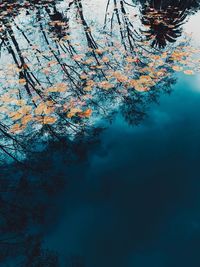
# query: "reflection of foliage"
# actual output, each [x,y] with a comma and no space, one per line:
[29,196]
[61,85]
[59,76]
[162,25]
[163,20]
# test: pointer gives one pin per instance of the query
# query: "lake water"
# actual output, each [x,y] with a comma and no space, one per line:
[113,179]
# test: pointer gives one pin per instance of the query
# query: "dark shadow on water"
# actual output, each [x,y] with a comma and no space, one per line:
[164,20]
[131,199]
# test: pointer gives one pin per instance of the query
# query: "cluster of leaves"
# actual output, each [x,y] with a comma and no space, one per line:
[64,76]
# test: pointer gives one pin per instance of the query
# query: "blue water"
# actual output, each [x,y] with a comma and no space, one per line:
[104,171]
[135,201]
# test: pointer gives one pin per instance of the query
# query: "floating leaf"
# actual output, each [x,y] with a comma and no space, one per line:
[73,112]
[26,119]
[189,72]
[16,128]
[17,116]
[105,85]
[105,59]
[85,114]
[22,81]
[49,120]
[40,108]
[177,68]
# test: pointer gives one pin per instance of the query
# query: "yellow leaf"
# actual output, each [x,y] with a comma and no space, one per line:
[17,128]
[132,83]
[6,98]
[49,120]
[26,119]
[145,79]
[177,68]
[25,109]
[88,61]
[57,88]
[17,116]
[105,85]
[20,102]
[141,88]
[40,108]
[87,88]
[120,77]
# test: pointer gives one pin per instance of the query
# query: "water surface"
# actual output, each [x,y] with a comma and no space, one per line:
[99,147]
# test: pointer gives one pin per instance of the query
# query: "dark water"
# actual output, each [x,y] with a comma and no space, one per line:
[133,199]
[136,201]
[113,179]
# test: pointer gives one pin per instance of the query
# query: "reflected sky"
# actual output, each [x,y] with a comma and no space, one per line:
[102,165]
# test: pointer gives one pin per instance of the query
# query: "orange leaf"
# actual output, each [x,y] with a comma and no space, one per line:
[85,114]
[189,72]
[49,120]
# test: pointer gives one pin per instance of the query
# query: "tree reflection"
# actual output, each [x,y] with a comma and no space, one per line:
[59,75]
[163,20]
[53,85]
[29,200]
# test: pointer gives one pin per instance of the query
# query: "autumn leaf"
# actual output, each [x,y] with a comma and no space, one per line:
[25,109]
[20,112]
[105,59]
[25,66]
[90,83]
[49,120]
[85,114]
[26,119]
[131,59]
[120,77]
[78,57]
[20,102]
[89,61]
[132,82]
[17,116]
[57,88]
[16,128]
[83,76]
[73,112]
[22,81]
[87,88]
[105,85]
[99,51]
[40,108]
[145,79]
[189,72]
[177,68]
[140,88]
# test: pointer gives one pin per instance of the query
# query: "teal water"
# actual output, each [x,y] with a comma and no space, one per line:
[99,127]
[135,202]
[130,198]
